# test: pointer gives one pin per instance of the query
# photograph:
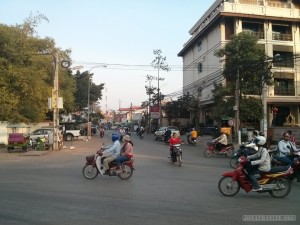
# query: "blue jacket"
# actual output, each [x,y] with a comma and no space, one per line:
[115,149]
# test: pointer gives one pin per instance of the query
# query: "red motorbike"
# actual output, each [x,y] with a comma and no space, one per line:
[275,182]
[94,166]
[101,132]
[211,150]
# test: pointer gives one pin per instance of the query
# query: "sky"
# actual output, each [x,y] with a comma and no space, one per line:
[120,34]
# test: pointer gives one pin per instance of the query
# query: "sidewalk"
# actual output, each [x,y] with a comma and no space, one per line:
[82,143]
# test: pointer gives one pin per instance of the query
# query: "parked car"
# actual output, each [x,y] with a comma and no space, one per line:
[71,130]
[17,140]
[44,132]
[159,134]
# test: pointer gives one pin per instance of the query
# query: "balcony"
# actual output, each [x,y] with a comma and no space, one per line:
[281,37]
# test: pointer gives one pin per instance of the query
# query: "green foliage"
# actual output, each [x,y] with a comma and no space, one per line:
[27,72]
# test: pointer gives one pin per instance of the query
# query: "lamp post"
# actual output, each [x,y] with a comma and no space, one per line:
[149,78]
[88,100]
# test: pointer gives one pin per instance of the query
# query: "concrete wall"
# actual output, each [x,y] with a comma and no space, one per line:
[7,128]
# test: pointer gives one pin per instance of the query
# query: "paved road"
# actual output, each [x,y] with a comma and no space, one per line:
[50,189]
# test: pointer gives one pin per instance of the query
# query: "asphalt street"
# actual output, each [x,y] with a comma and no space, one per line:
[48,188]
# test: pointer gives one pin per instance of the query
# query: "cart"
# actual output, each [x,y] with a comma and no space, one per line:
[17,141]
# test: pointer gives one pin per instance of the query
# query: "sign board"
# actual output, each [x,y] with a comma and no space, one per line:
[154,112]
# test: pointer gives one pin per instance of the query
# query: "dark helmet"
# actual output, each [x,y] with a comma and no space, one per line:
[114,137]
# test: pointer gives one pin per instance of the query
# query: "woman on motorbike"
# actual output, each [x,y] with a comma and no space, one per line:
[262,162]
[221,141]
[173,141]
[126,153]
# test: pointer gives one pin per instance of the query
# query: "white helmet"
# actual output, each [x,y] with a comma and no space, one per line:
[260,140]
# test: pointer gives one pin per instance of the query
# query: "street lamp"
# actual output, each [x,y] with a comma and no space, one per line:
[88,104]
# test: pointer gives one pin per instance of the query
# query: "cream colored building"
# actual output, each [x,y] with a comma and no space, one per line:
[276,23]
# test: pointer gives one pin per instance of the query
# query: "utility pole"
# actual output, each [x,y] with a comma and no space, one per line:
[55,105]
[237,106]
[149,78]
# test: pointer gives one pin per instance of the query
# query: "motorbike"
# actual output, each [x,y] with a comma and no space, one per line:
[242,151]
[275,182]
[101,132]
[94,166]
[211,150]
[176,154]
[296,166]
[141,134]
[191,141]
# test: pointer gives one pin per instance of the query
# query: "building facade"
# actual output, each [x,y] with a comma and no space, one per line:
[276,23]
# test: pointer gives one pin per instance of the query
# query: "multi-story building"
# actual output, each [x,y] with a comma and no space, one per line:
[277,25]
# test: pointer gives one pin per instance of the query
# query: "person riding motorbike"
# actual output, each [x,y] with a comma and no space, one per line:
[126,153]
[194,135]
[111,153]
[173,141]
[167,135]
[221,141]
[286,149]
[262,162]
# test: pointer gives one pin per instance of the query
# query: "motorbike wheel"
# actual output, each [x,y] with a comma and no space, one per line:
[128,172]
[90,171]
[208,153]
[283,187]
[179,159]
[230,152]
[228,187]
[233,162]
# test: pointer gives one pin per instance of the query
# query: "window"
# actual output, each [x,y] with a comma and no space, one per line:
[284,87]
[199,67]
[199,46]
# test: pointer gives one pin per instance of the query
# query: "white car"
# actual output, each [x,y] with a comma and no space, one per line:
[159,134]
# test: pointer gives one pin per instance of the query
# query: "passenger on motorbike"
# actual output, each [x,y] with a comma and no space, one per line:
[262,162]
[173,141]
[111,153]
[221,141]
[126,153]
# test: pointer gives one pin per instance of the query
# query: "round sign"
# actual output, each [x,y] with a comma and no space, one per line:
[230,123]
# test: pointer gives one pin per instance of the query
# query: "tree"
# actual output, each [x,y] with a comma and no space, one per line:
[26,73]
[159,63]
[81,94]
[246,70]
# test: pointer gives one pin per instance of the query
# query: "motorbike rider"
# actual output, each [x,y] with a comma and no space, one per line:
[262,162]
[111,153]
[173,141]
[167,135]
[194,135]
[125,154]
[221,141]
[286,149]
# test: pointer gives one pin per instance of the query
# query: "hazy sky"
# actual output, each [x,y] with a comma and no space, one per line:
[119,33]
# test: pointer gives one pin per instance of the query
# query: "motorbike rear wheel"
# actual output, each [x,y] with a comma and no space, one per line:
[90,171]
[179,158]
[228,187]
[283,185]
[230,152]
[208,153]
[127,172]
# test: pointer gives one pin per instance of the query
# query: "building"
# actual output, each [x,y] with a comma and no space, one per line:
[277,25]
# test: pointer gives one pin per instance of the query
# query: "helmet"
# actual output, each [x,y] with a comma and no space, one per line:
[114,137]
[260,140]
[255,133]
